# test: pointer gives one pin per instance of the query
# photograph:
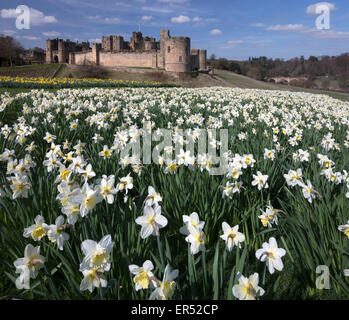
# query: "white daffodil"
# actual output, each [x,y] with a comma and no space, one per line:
[193,220]
[126,183]
[269,216]
[151,221]
[272,255]
[143,275]
[248,288]
[97,255]
[106,152]
[166,288]
[106,188]
[72,211]
[19,185]
[93,278]
[196,238]
[260,180]
[56,234]
[87,199]
[308,191]
[28,266]
[87,172]
[49,137]
[293,178]
[231,236]
[38,230]
[269,154]
[153,197]
[344,228]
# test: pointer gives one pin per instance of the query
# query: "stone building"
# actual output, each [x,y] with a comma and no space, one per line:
[170,53]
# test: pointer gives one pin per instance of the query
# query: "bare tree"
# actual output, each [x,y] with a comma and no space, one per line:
[10,48]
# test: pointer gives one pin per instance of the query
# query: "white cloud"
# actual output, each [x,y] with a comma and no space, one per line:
[312,32]
[312,8]
[197,19]
[180,19]
[147,18]
[93,17]
[8,32]
[51,34]
[235,41]
[215,32]
[257,25]
[287,27]
[36,17]
[112,20]
[328,34]
[157,9]
[31,38]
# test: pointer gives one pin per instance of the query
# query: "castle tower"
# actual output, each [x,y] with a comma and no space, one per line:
[177,54]
[95,53]
[202,59]
[164,36]
[117,43]
[49,48]
[107,43]
[61,51]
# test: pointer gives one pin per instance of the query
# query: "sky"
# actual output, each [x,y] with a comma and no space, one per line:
[234,29]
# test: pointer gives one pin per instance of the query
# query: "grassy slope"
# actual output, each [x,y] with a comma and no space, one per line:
[40,70]
[221,78]
[239,81]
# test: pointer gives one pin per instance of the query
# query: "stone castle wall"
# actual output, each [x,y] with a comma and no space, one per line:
[171,53]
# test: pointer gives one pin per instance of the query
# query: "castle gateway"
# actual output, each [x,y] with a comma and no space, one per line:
[170,53]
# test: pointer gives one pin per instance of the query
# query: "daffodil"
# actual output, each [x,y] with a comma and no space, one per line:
[231,236]
[166,287]
[260,180]
[126,183]
[93,278]
[97,255]
[28,266]
[344,228]
[143,275]
[151,221]
[153,197]
[106,188]
[272,255]
[56,234]
[38,230]
[248,288]
[193,220]
[196,238]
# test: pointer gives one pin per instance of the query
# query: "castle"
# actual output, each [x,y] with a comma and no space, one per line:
[170,53]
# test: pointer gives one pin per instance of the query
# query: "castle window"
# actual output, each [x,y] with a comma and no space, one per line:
[168,49]
[180,58]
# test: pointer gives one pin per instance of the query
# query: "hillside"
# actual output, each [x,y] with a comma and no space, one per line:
[221,78]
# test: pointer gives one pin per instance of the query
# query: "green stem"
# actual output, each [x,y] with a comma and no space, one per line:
[160,252]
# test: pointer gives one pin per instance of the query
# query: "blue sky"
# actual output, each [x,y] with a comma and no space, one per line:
[235,29]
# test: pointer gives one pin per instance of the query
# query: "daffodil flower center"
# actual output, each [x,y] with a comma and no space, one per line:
[38,232]
[142,279]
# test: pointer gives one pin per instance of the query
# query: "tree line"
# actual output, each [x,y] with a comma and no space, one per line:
[263,68]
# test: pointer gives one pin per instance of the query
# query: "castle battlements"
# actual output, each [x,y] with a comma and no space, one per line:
[170,53]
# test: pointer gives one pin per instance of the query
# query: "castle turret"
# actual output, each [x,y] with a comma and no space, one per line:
[177,54]
[164,36]
[49,56]
[202,60]
[95,53]
[61,51]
